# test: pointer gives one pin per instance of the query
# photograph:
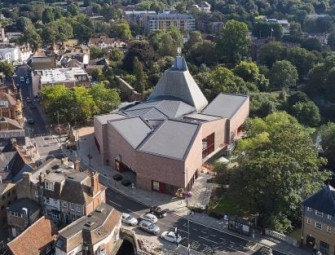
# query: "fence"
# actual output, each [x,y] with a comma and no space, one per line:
[282,237]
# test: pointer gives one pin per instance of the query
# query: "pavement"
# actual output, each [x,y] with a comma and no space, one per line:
[173,204]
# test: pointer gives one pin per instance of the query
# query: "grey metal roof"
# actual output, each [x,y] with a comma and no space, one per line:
[161,109]
[225,105]
[103,119]
[201,117]
[323,200]
[179,83]
[172,139]
[133,130]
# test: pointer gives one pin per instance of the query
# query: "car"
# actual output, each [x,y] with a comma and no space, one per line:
[27,81]
[158,211]
[149,227]
[28,100]
[171,237]
[125,182]
[149,217]
[21,79]
[129,220]
[117,177]
[31,121]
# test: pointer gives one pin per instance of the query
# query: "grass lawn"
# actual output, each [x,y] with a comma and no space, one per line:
[226,206]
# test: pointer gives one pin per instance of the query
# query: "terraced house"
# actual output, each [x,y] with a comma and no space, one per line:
[318,227]
[165,140]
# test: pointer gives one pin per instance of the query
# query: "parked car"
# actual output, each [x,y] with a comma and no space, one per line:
[31,121]
[149,227]
[158,211]
[117,177]
[128,219]
[265,251]
[171,237]
[27,81]
[125,182]
[28,100]
[21,79]
[149,217]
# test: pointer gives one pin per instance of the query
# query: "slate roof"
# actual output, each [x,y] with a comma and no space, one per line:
[172,139]
[177,82]
[133,130]
[89,229]
[33,239]
[160,108]
[323,200]
[19,204]
[225,105]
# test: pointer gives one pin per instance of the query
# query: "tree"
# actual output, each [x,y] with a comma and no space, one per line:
[331,40]
[270,53]
[122,30]
[278,167]
[33,38]
[283,75]
[233,42]
[311,44]
[6,68]
[203,53]
[105,99]
[328,142]
[263,104]
[48,35]
[62,30]
[266,29]
[140,76]
[96,52]
[115,55]
[307,113]
[296,32]
[73,9]
[302,59]
[23,23]
[48,16]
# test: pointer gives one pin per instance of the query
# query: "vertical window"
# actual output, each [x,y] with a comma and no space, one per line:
[308,221]
[329,217]
[309,209]
[318,225]
[318,213]
[329,229]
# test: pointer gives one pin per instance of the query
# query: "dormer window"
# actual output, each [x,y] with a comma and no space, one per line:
[318,213]
[49,185]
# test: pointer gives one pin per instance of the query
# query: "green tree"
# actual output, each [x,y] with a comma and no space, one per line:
[278,167]
[266,29]
[33,38]
[302,59]
[307,113]
[105,99]
[233,42]
[6,68]
[115,55]
[331,40]
[122,30]
[270,53]
[73,9]
[97,74]
[328,142]
[62,30]
[23,23]
[48,16]
[311,44]
[140,76]
[283,75]
[96,52]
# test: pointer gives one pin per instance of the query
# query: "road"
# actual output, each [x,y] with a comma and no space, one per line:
[38,132]
[202,239]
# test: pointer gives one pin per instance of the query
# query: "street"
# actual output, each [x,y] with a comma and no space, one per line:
[201,239]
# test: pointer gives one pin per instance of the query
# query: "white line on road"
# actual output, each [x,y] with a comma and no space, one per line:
[208,240]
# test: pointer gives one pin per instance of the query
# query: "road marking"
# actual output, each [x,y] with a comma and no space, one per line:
[208,240]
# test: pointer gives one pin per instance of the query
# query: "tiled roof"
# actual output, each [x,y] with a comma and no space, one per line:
[323,200]
[33,239]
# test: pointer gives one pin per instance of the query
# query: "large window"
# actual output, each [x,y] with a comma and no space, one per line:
[208,145]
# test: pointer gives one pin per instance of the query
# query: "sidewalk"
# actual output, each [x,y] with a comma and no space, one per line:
[173,204]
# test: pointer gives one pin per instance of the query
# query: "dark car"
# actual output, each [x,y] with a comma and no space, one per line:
[31,121]
[117,177]
[33,107]
[159,212]
[125,182]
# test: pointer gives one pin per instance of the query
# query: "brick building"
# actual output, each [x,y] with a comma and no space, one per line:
[7,196]
[11,107]
[318,226]
[165,140]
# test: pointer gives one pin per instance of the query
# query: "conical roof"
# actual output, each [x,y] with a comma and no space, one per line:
[177,82]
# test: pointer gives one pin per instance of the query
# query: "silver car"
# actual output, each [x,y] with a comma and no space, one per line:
[149,227]
[128,219]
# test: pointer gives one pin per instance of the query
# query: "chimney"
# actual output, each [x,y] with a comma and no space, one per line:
[26,176]
[65,161]
[94,183]
[41,177]
[77,165]
[3,35]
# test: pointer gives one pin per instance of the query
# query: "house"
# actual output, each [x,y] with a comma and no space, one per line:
[64,193]
[40,60]
[11,107]
[202,6]
[7,195]
[96,233]
[104,42]
[166,139]
[318,225]
[21,213]
[69,77]
[38,239]
[282,22]
[184,22]
[14,54]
